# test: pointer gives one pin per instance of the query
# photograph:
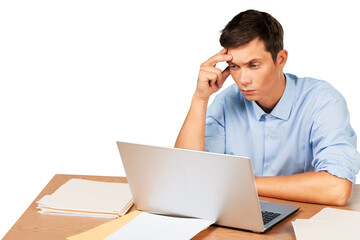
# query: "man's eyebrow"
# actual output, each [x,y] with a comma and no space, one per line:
[246,63]
[254,60]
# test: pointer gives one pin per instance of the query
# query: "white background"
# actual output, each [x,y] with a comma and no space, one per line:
[75,76]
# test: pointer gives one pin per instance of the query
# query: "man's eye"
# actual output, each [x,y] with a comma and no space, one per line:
[233,66]
[254,65]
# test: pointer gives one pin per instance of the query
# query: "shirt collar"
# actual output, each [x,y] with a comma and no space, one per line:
[282,109]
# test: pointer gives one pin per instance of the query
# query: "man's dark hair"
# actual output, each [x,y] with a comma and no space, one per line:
[252,24]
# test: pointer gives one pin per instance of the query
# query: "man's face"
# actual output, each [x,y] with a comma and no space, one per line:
[255,73]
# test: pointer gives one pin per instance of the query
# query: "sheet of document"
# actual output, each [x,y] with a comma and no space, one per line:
[335,214]
[102,231]
[308,229]
[76,213]
[329,223]
[88,196]
[152,226]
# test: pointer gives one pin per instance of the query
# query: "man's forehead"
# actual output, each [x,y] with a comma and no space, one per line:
[253,51]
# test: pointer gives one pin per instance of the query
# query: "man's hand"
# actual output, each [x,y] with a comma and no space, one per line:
[211,78]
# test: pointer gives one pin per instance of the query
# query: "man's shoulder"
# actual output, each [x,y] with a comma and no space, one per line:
[312,88]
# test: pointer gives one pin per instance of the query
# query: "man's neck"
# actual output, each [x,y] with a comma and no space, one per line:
[270,104]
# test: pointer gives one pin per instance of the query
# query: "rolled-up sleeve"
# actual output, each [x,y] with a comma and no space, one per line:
[334,141]
[215,128]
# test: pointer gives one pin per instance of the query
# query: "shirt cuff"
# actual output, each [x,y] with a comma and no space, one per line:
[338,171]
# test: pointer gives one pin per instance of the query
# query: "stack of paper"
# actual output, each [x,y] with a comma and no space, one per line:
[329,223]
[88,198]
[142,225]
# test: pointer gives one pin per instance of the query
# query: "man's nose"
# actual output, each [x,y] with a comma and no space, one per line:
[245,78]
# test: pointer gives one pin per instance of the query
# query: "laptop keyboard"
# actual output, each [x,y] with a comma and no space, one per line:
[268,216]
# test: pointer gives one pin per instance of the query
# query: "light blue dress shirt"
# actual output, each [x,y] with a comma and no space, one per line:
[308,130]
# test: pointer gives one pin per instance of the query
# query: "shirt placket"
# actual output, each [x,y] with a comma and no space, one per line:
[269,145]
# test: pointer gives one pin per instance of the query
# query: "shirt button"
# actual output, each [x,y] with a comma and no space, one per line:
[268,166]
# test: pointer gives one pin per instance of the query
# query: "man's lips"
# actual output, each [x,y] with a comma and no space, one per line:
[247,92]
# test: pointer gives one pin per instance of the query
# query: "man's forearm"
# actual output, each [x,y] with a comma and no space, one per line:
[210,80]
[314,187]
[192,133]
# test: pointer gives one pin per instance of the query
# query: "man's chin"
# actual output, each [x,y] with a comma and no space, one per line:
[251,97]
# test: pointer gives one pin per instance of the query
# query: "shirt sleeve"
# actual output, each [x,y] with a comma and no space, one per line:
[334,141]
[215,128]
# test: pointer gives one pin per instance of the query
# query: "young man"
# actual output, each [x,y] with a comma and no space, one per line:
[295,130]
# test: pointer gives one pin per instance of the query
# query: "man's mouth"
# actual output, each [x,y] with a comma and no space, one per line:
[248,92]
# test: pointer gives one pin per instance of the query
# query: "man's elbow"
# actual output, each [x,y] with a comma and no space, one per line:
[341,193]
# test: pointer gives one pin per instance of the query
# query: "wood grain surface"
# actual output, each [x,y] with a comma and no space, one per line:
[34,226]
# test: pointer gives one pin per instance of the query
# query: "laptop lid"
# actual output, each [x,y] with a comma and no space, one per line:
[182,182]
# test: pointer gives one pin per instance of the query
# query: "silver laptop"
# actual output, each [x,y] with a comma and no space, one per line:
[198,184]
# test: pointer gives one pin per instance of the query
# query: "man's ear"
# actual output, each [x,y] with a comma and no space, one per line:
[282,58]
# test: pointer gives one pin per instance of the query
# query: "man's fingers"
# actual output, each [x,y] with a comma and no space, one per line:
[210,78]
[225,74]
[215,76]
[222,56]
[222,77]
[217,71]
[223,51]
[211,62]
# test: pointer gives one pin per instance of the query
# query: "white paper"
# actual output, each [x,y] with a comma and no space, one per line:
[329,223]
[308,229]
[337,215]
[152,226]
[78,214]
[90,196]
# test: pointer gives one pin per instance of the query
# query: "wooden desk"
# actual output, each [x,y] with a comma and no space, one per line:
[33,225]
